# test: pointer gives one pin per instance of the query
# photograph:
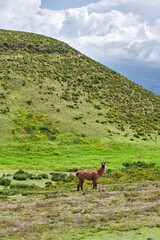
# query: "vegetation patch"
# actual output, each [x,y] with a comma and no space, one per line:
[133,172]
[34,126]
[56,177]
[21,175]
[5,181]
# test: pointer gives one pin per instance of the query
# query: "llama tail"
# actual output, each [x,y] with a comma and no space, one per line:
[77,173]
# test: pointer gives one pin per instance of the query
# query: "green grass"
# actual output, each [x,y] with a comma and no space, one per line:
[89,234]
[62,156]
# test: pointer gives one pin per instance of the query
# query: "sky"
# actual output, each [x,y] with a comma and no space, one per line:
[121,34]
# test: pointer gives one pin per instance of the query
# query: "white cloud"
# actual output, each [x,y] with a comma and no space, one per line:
[18,8]
[49,22]
[119,29]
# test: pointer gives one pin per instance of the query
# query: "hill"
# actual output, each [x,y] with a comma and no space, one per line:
[47,87]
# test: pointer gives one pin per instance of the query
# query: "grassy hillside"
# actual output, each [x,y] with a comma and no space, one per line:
[54,96]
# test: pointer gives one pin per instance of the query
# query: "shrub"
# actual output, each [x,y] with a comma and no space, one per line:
[145,138]
[43,175]
[62,177]
[29,102]
[78,117]
[39,176]
[58,176]
[5,182]
[122,128]
[97,107]
[103,122]
[136,135]
[139,164]
[48,185]
[20,172]
[71,106]
[126,135]
[21,175]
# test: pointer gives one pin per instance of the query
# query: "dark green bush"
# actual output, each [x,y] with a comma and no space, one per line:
[78,117]
[21,175]
[39,176]
[97,107]
[43,175]
[5,182]
[122,128]
[20,172]
[29,102]
[56,177]
[145,139]
[136,135]
[139,164]
[48,185]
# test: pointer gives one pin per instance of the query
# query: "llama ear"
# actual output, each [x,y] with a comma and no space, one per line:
[101,162]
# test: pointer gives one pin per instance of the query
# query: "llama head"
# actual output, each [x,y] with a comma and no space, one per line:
[103,164]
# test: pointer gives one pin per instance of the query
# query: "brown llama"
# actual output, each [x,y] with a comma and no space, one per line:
[90,174]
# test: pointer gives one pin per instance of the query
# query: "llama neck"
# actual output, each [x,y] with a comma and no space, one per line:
[101,171]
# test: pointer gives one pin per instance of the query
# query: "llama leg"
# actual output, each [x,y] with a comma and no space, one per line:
[94,184]
[82,185]
[79,185]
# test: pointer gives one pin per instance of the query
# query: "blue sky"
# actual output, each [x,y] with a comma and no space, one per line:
[65,4]
[122,34]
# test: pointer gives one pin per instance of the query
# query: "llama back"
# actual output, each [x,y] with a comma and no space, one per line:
[87,173]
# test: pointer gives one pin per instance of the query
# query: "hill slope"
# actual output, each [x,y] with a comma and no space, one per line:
[48,88]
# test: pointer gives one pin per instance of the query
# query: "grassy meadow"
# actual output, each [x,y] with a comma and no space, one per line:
[63,155]
[46,210]
[43,202]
